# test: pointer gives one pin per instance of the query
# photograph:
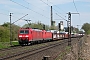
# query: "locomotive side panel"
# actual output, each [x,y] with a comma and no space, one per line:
[37,35]
[48,35]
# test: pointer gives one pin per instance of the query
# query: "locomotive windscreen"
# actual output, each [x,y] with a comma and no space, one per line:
[24,31]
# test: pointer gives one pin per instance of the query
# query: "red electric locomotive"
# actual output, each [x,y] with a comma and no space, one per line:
[29,35]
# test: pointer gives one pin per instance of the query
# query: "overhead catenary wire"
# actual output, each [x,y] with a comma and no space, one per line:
[77,10]
[33,5]
[29,9]
[58,12]
[19,18]
[61,17]
[10,11]
[75,6]
[56,6]
[50,6]
[8,15]
[45,3]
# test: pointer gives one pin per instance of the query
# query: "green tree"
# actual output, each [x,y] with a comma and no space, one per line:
[15,30]
[7,24]
[86,28]
[37,25]
[4,34]
[5,28]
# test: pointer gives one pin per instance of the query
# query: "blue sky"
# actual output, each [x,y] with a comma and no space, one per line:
[39,10]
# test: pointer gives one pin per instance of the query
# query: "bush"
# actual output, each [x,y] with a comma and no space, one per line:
[4,34]
[88,32]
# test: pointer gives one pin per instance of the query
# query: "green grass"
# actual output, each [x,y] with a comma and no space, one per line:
[4,45]
[15,43]
[7,44]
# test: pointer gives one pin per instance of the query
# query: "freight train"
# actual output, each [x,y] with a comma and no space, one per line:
[29,35]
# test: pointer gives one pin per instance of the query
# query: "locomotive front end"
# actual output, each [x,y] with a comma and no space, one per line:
[23,36]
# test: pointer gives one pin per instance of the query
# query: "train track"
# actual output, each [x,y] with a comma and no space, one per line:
[41,50]
[25,53]
[14,48]
[53,51]
[11,51]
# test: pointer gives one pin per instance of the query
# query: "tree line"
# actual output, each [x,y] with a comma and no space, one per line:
[5,29]
[5,32]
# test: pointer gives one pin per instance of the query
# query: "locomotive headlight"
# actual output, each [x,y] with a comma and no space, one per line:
[20,36]
[26,36]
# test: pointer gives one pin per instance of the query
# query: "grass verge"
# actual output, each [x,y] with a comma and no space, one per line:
[7,44]
[4,45]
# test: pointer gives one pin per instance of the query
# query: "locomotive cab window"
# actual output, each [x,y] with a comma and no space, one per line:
[24,31]
[21,31]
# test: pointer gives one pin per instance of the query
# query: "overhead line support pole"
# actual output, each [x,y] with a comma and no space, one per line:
[69,27]
[51,17]
[10,29]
